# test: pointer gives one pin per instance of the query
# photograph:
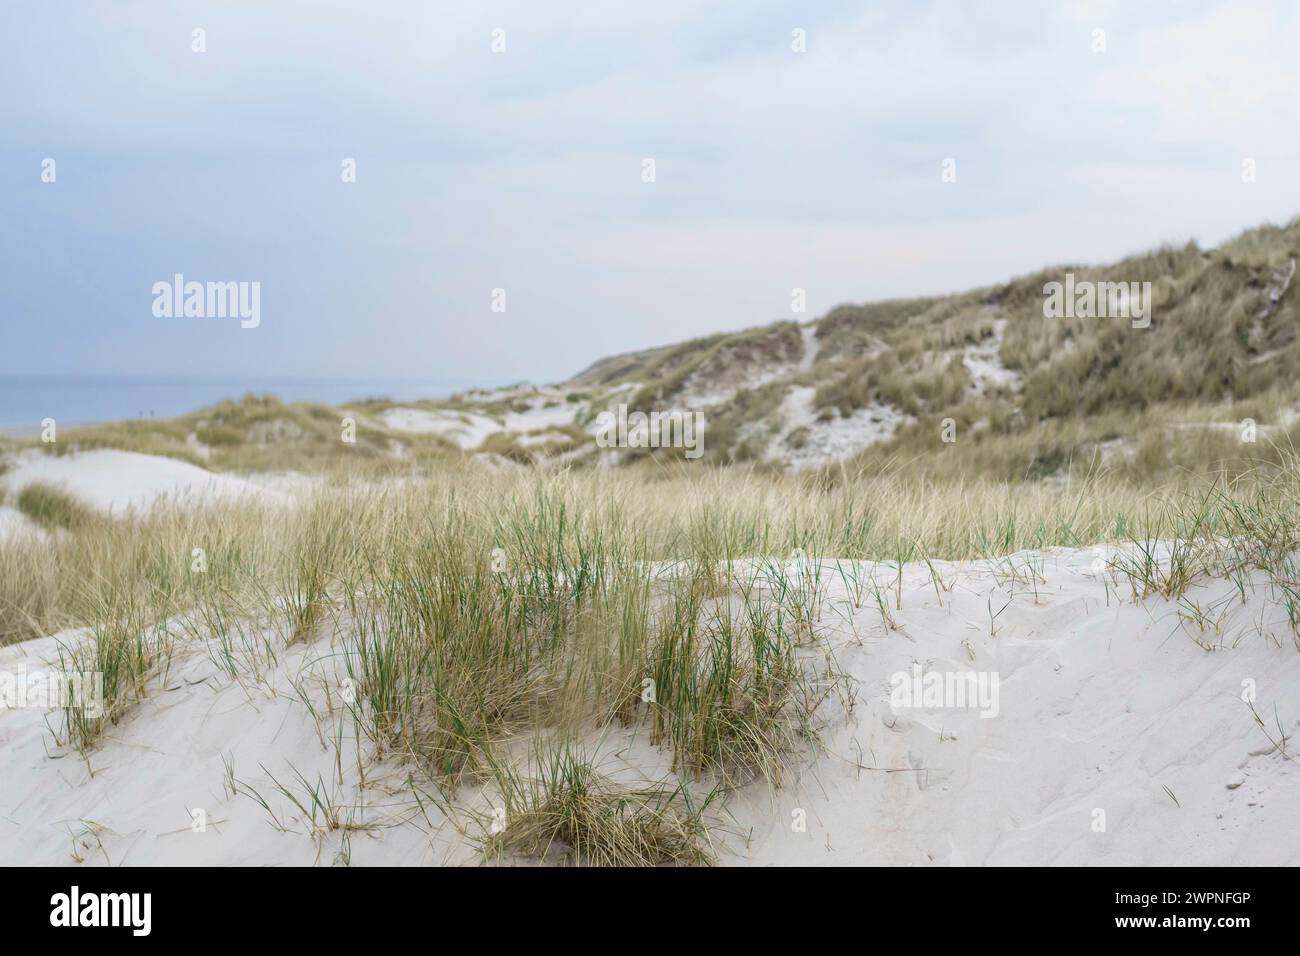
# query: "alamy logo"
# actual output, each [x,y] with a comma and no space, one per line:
[61,690]
[675,429]
[1086,299]
[103,909]
[208,300]
[963,690]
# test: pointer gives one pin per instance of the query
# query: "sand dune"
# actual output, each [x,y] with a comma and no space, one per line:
[1121,736]
[120,481]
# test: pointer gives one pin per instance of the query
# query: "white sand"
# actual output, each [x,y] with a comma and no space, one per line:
[811,346]
[120,481]
[165,763]
[826,442]
[14,523]
[466,429]
[544,413]
[469,429]
[984,363]
[1103,703]
[541,438]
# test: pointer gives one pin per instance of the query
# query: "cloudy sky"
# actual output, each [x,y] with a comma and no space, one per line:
[523,169]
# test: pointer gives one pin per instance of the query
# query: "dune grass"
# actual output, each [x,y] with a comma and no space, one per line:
[469,610]
[1221,347]
[560,808]
[126,649]
[570,542]
[262,433]
[55,509]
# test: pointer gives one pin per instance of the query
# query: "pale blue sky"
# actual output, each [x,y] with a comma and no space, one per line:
[522,169]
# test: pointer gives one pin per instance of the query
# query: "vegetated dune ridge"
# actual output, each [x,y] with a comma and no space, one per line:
[980,382]
[1029,393]
[1103,705]
[1139,710]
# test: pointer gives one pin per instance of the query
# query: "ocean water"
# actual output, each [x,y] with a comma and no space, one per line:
[25,401]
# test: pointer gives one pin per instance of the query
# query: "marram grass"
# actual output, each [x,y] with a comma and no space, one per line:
[471,609]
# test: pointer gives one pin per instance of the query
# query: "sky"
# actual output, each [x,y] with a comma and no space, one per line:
[523,168]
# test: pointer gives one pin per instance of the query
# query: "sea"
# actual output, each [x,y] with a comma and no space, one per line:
[25,401]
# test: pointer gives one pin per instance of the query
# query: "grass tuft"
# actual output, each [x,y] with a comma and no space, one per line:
[55,509]
[567,811]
